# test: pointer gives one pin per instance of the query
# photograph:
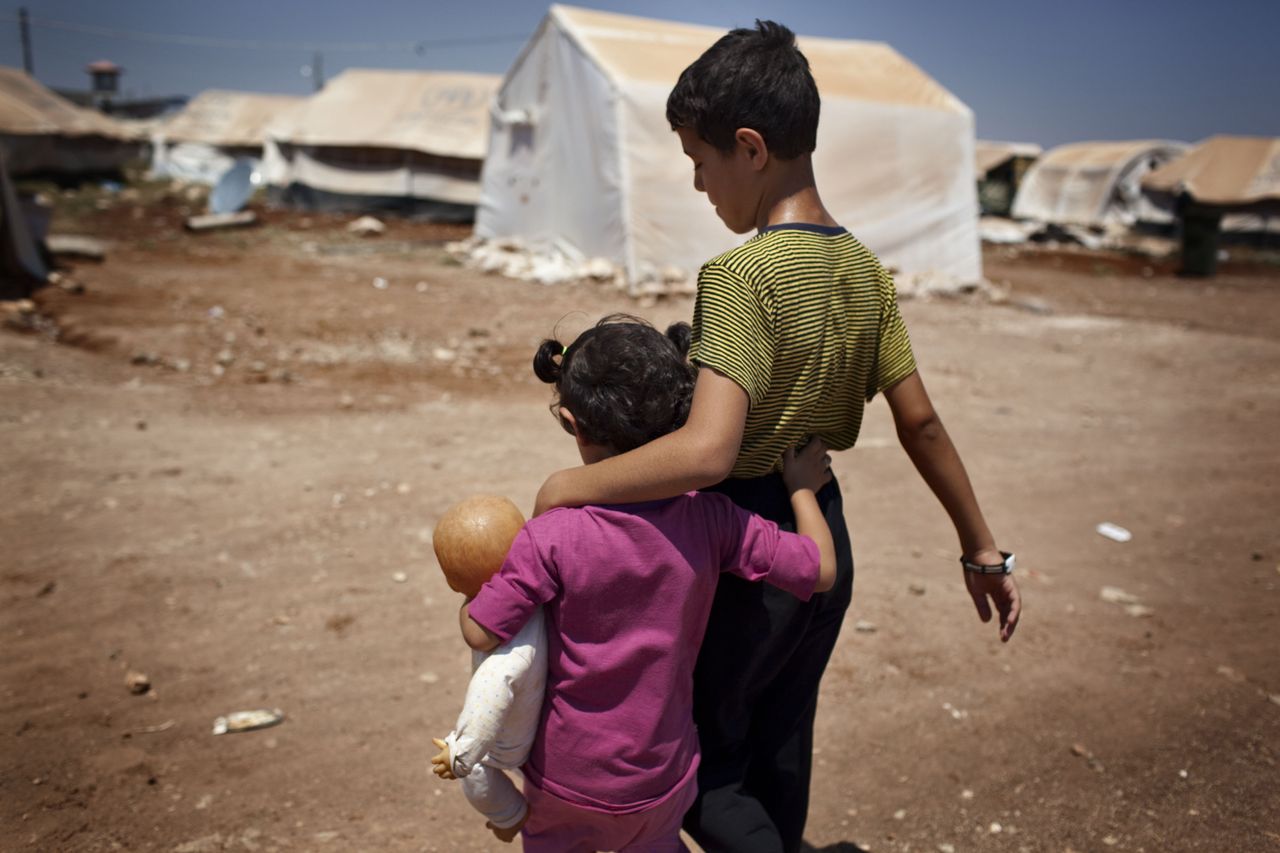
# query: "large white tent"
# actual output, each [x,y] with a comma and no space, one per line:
[42,132]
[581,154]
[1095,184]
[405,140]
[218,127]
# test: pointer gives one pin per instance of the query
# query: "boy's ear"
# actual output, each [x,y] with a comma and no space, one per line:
[752,144]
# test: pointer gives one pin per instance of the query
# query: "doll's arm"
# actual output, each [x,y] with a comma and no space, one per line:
[490,696]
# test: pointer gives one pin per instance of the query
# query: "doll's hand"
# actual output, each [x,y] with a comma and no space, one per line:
[807,468]
[507,835]
[441,764]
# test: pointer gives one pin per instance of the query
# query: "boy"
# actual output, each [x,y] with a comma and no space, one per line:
[792,332]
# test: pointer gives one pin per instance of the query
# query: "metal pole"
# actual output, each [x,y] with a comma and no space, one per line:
[317,71]
[25,30]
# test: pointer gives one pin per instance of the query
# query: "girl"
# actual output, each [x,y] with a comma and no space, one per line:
[627,590]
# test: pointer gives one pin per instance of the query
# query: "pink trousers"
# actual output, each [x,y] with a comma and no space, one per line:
[555,826]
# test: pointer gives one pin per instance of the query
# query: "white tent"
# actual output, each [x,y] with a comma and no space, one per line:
[404,140]
[218,127]
[581,155]
[1095,184]
[41,131]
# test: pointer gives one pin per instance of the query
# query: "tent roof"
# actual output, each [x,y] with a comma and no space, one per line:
[1101,155]
[27,108]
[440,113]
[987,155]
[222,117]
[1230,171]
[653,51]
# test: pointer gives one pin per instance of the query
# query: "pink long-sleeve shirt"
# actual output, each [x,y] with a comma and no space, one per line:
[627,590]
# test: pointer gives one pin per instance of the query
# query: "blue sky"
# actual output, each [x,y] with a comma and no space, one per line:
[1046,72]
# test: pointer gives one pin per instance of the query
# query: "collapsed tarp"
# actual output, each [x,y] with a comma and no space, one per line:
[411,141]
[1230,173]
[1096,184]
[581,152]
[41,132]
[218,127]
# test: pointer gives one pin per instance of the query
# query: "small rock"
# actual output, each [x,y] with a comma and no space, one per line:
[400,577]
[141,425]
[1111,841]
[916,588]
[1079,749]
[1114,532]
[137,682]
[421,287]
[258,367]
[995,828]
[346,401]
[1231,674]
[428,678]
[443,354]
[181,365]
[966,794]
[862,626]
[1182,774]
[366,226]
[946,848]
[1138,611]
[146,358]
[217,312]
[403,488]
[1116,595]
[1275,698]
[226,357]
[900,814]
[380,283]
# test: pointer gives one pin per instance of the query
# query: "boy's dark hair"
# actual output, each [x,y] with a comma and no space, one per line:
[624,381]
[750,78]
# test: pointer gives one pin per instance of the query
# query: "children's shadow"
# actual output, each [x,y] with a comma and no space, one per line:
[838,847]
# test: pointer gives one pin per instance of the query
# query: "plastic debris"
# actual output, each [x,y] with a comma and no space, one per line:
[1114,532]
[366,226]
[247,721]
[137,682]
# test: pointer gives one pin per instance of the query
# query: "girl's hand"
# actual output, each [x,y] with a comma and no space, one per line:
[807,468]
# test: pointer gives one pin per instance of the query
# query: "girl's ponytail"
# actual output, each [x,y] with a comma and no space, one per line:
[545,364]
[680,334]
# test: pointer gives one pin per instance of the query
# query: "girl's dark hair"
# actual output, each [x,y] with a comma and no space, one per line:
[754,78]
[624,381]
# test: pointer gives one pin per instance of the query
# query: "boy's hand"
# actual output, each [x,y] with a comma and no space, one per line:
[441,764]
[1003,590]
[807,468]
[507,835]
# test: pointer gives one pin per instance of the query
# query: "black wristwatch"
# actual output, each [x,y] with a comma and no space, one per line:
[1002,568]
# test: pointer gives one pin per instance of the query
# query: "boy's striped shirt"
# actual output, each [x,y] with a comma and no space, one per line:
[805,319]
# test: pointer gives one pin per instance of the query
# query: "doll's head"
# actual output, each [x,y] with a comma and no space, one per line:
[472,538]
[621,384]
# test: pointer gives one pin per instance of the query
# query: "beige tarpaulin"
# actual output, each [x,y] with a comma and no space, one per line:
[42,131]
[373,133]
[1234,172]
[988,155]
[582,159]
[1094,183]
[225,118]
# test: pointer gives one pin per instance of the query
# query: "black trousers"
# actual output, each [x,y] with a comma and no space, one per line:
[756,690]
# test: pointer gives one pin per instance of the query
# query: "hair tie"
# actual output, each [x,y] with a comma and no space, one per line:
[564,350]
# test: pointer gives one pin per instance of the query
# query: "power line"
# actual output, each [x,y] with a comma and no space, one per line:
[245,44]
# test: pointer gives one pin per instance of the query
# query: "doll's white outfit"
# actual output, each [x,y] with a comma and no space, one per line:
[498,722]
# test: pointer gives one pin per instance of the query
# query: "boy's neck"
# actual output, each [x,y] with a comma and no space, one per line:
[791,195]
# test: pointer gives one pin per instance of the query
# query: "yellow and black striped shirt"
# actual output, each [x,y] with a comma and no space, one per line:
[806,320]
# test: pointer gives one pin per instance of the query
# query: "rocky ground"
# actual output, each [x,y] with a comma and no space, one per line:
[224,458]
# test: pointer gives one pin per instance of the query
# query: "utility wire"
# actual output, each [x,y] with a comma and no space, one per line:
[245,44]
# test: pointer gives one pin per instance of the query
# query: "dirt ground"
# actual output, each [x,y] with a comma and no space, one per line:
[223,461]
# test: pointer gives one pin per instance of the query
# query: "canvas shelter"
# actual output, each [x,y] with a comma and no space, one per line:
[214,130]
[1095,184]
[42,132]
[581,155]
[1231,173]
[999,168]
[407,141]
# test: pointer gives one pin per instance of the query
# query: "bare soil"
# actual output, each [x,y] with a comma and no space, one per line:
[223,461]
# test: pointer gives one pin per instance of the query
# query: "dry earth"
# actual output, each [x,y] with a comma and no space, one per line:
[244,515]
